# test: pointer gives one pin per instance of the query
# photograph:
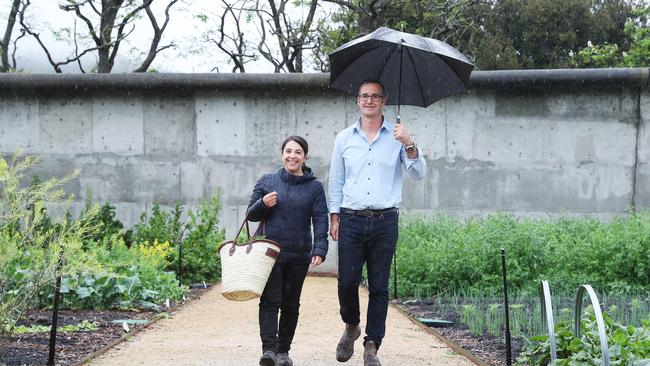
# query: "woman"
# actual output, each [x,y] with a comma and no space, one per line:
[287,203]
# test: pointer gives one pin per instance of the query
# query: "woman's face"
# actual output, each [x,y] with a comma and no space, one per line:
[293,158]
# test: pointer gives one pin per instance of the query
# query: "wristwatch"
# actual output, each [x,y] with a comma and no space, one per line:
[411,148]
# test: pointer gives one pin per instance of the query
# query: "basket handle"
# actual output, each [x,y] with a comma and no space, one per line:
[249,247]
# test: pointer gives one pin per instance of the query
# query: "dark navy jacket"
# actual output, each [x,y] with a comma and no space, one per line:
[300,202]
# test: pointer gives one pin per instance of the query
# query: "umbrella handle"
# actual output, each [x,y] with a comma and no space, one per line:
[399,118]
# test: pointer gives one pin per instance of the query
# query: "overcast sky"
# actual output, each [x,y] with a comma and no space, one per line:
[190,56]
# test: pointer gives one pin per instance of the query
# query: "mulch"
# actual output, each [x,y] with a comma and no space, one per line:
[72,347]
[486,347]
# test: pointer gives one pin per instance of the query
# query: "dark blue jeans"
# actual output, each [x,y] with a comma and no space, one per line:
[282,293]
[369,240]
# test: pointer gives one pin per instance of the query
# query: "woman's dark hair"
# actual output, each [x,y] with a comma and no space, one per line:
[300,141]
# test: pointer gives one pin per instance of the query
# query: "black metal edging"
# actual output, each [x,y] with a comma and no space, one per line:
[178,82]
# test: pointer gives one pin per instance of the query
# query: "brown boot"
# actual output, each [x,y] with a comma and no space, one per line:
[370,355]
[345,348]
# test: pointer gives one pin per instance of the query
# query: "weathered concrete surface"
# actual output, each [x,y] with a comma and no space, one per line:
[531,143]
[214,331]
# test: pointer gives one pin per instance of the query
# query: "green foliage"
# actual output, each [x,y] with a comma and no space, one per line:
[605,55]
[84,326]
[161,225]
[31,251]
[628,345]
[633,51]
[201,242]
[503,34]
[445,256]
[638,55]
[109,224]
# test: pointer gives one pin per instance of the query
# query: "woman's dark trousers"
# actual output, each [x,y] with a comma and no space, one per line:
[371,240]
[282,293]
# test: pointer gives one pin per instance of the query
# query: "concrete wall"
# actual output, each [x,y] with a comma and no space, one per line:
[529,142]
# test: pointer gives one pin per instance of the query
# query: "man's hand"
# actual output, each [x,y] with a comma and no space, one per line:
[400,133]
[270,199]
[334,226]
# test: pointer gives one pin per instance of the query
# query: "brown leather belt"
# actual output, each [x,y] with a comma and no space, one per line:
[368,212]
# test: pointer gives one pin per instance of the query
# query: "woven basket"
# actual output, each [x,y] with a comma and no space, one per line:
[245,267]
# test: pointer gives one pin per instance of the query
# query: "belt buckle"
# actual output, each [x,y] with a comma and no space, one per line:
[368,212]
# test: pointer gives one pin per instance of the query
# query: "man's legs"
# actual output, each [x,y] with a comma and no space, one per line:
[351,258]
[381,248]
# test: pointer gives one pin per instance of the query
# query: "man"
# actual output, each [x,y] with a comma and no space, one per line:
[365,188]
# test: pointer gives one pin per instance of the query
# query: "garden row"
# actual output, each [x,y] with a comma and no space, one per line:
[456,266]
[101,265]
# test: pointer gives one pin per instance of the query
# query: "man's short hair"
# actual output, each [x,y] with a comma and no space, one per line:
[371,81]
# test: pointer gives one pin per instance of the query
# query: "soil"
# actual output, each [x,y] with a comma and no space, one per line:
[488,348]
[73,347]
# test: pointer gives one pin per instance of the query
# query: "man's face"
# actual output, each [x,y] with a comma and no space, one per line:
[371,100]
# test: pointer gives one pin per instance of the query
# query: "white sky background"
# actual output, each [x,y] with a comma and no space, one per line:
[191,55]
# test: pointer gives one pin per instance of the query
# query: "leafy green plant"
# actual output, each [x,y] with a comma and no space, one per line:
[201,243]
[443,256]
[161,226]
[83,326]
[30,253]
[628,345]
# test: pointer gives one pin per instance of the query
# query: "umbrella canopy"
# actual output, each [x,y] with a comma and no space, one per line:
[414,70]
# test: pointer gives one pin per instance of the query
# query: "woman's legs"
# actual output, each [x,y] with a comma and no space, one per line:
[269,306]
[293,277]
[282,293]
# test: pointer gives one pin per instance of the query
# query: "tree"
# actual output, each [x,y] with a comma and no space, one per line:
[293,37]
[282,37]
[457,22]
[495,34]
[107,26]
[232,42]
[6,40]
[634,51]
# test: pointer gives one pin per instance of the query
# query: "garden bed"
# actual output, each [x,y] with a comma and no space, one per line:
[488,348]
[72,347]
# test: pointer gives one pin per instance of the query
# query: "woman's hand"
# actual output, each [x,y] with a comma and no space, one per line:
[270,199]
[316,260]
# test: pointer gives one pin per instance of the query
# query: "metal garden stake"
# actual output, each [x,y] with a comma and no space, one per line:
[506,308]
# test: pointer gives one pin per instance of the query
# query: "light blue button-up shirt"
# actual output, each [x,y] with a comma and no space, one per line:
[368,174]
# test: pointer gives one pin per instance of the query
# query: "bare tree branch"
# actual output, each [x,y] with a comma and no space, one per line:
[109,33]
[154,50]
[237,53]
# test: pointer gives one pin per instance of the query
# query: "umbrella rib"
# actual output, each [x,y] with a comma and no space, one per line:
[417,77]
[383,67]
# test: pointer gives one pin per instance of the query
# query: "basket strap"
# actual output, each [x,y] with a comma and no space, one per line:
[248,231]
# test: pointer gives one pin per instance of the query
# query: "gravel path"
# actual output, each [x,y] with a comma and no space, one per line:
[215,331]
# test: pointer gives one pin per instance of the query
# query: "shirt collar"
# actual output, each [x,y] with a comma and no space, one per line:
[385,125]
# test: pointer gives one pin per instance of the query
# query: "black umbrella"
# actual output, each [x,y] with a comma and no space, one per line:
[414,70]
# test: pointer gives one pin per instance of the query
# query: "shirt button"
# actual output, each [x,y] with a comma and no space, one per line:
[368,163]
